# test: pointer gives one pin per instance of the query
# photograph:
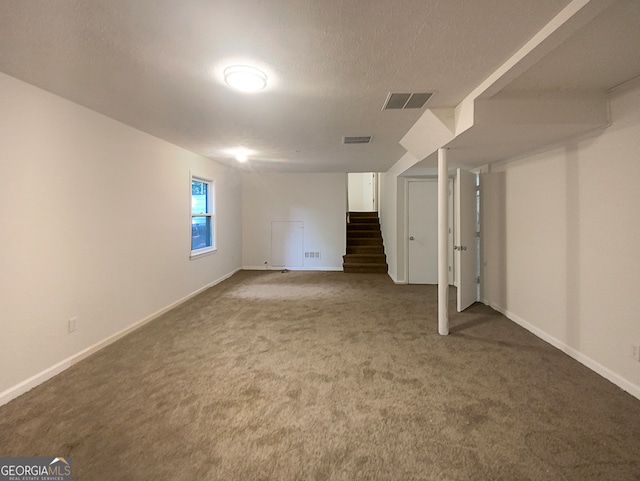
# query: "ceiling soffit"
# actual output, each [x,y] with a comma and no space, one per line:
[527,112]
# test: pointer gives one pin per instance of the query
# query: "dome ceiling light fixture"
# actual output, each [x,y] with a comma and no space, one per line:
[245,78]
[240,154]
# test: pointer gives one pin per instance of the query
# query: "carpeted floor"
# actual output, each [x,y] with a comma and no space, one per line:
[328,376]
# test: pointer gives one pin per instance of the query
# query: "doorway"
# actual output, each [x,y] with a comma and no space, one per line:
[422,231]
[467,234]
[362,190]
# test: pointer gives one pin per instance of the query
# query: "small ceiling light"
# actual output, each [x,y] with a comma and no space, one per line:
[245,78]
[241,157]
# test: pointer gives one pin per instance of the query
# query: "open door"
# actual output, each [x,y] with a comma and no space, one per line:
[465,244]
[361,191]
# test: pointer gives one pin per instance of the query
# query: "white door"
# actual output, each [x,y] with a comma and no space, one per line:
[287,243]
[361,190]
[423,231]
[465,234]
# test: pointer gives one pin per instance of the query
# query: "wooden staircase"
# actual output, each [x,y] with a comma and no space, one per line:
[365,251]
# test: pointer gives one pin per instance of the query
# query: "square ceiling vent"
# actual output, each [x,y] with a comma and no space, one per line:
[402,101]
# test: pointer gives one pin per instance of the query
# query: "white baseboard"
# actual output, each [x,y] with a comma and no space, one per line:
[33,381]
[595,366]
[273,268]
[396,280]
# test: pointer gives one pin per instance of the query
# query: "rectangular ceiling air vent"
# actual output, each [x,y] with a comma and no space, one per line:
[366,139]
[396,101]
[403,101]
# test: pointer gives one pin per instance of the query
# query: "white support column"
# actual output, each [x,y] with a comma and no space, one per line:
[443,242]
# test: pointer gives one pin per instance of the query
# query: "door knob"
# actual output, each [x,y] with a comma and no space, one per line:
[411,238]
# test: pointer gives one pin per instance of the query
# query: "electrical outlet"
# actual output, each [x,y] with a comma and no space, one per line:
[636,351]
[73,324]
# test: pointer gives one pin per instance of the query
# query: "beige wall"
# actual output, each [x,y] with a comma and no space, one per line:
[317,200]
[95,224]
[559,235]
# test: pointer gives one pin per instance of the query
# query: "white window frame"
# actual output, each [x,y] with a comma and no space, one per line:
[195,253]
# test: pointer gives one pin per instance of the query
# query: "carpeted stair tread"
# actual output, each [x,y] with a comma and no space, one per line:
[364,241]
[361,227]
[373,249]
[364,220]
[366,268]
[364,258]
[363,232]
[362,214]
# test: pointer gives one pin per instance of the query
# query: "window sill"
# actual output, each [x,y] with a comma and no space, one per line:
[202,253]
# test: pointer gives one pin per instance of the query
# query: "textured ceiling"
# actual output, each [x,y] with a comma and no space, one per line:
[155,65]
[601,55]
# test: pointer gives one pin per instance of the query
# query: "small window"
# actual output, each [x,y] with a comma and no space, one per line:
[202,216]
